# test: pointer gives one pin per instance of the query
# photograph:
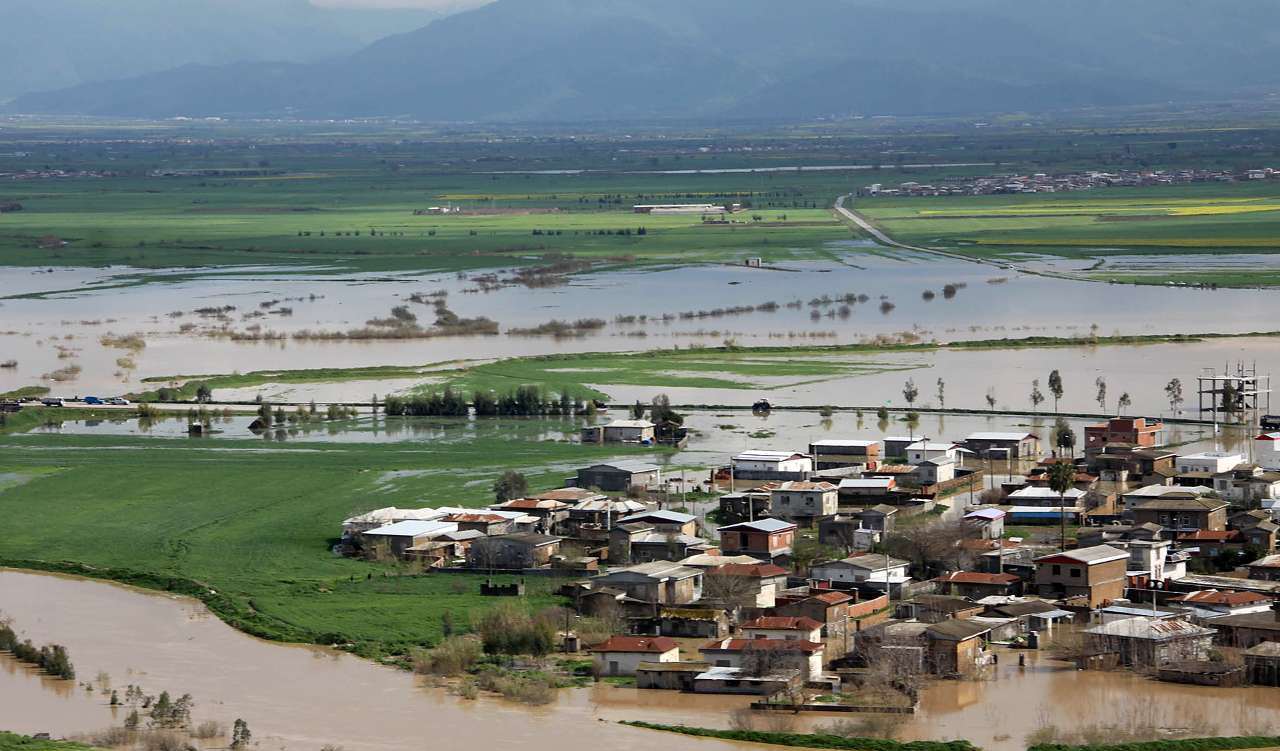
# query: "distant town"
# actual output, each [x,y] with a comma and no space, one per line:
[1041,182]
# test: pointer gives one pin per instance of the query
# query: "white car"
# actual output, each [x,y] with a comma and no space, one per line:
[118,402]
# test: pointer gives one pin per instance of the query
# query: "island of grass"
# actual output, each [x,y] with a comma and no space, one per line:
[808,740]
[585,375]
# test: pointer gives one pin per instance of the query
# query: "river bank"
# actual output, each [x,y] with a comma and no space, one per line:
[300,697]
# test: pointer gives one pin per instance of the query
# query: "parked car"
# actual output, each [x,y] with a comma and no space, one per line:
[93,400]
[53,402]
[117,401]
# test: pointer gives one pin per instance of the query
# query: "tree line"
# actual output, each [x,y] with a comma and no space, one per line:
[522,401]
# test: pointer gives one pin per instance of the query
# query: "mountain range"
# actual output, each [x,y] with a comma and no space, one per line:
[573,60]
[53,44]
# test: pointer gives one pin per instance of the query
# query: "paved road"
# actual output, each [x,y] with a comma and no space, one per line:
[866,226]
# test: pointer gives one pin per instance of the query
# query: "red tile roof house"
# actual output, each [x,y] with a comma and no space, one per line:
[976,585]
[787,628]
[1207,543]
[1212,603]
[737,653]
[621,655]
[831,608]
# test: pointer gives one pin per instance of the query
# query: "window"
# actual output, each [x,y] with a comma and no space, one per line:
[1075,573]
[1057,570]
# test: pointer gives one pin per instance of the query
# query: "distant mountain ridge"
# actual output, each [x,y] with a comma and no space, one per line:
[51,44]
[565,60]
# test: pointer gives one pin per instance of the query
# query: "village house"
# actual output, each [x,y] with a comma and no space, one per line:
[895,447]
[657,582]
[866,569]
[864,490]
[955,647]
[724,680]
[1031,614]
[640,542]
[1142,641]
[1012,558]
[771,465]
[1266,568]
[1033,505]
[673,522]
[766,539]
[934,471]
[985,523]
[1123,464]
[924,450]
[619,476]
[396,538]
[786,628]
[1138,432]
[1247,485]
[669,676]
[744,584]
[745,506]
[938,608]
[549,512]
[803,502]
[620,431]
[1262,664]
[976,584]
[996,445]
[622,655]
[693,622]
[1266,449]
[1208,462]
[522,550]
[486,524]
[836,453]
[860,530]
[1204,604]
[1181,512]
[806,656]
[1097,574]
[1245,630]
[830,608]
[602,512]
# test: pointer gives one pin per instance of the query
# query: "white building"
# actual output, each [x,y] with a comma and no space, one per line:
[1266,450]
[787,628]
[922,451]
[621,655]
[934,471]
[871,569]
[1211,462]
[1047,497]
[779,463]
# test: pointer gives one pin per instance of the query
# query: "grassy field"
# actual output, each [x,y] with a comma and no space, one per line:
[346,215]
[256,521]
[14,742]
[1198,218]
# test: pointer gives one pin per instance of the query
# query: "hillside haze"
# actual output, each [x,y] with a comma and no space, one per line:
[51,44]
[562,60]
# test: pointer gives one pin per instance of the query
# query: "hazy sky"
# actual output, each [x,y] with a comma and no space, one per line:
[431,4]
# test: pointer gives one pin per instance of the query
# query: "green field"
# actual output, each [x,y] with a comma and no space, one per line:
[14,742]
[1196,218]
[255,522]
[345,215]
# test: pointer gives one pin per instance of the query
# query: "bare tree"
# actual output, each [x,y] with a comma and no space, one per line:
[1036,397]
[1173,390]
[910,392]
[733,593]
[1055,387]
[929,546]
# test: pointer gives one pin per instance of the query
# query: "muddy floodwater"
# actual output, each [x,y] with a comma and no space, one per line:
[63,326]
[303,697]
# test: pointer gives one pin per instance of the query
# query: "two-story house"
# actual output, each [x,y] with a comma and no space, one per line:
[804,502]
[766,539]
[1095,574]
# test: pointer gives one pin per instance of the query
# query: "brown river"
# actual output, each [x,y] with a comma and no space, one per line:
[305,697]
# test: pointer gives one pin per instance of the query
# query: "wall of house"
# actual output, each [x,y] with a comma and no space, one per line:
[625,663]
[780,633]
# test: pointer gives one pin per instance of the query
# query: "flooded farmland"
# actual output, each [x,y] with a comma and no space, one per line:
[64,326]
[305,697]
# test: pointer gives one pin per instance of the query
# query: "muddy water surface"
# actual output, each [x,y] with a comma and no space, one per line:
[303,697]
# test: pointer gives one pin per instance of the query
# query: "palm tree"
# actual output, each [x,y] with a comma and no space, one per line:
[1062,477]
